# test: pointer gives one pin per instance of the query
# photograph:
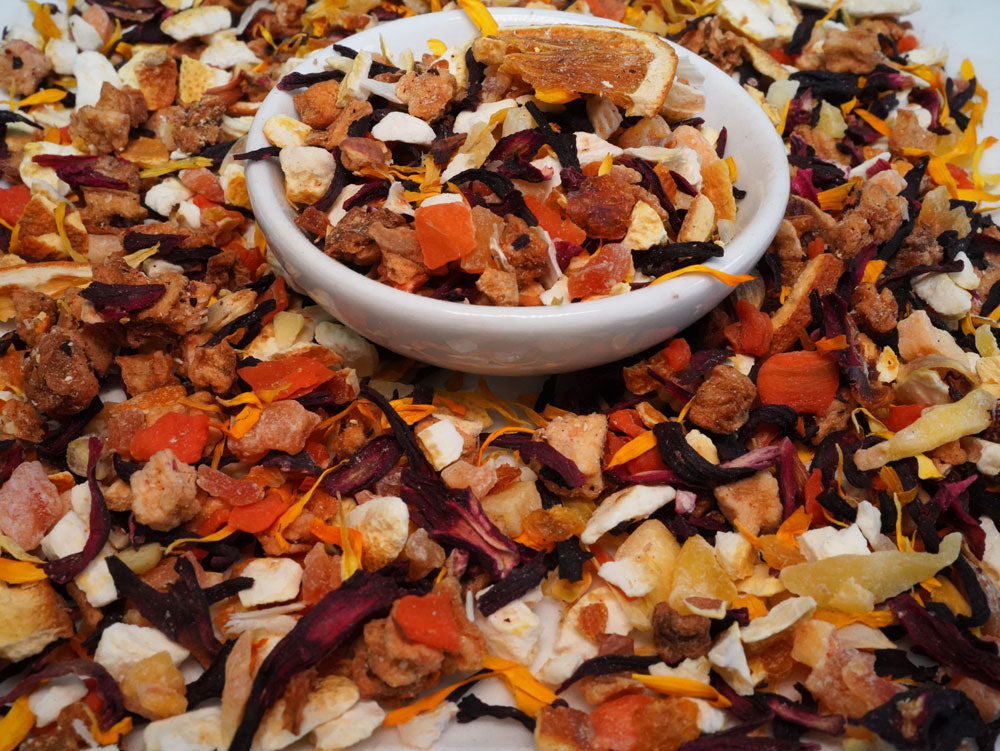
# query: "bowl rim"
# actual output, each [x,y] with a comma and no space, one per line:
[274,213]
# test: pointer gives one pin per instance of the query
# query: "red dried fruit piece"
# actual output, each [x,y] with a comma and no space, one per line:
[204,183]
[427,620]
[257,517]
[445,232]
[287,378]
[615,723]
[185,435]
[677,353]
[806,381]
[12,203]
[234,492]
[549,218]
[603,270]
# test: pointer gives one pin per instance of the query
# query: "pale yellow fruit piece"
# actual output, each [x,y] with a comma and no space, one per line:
[812,641]
[697,573]
[970,415]
[653,547]
[856,583]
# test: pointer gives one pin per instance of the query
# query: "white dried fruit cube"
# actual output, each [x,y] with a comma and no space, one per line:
[629,575]
[62,54]
[329,699]
[274,580]
[283,131]
[645,228]
[635,502]
[48,700]
[124,644]
[356,724]
[467,120]
[869,521]
[404,128]
[593,148]
[196,22]
[512,632]
[442,443]
[604,115]
[226,51]
[91,70]
[735,554]
[699,223]
[781,617]
[384,524]
[826,542]
[308,172]
[941,293]
[749,18]
[424,730]
[730,661]
[87,38]
[198,730]
[167,195]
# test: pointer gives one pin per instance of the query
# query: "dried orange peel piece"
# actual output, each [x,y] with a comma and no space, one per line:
[633,68]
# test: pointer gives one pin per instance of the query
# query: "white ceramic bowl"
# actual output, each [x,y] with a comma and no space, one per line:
[525,341]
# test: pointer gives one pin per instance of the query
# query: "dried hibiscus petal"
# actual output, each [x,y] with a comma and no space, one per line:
[929,719]
[333,620]
[65,569]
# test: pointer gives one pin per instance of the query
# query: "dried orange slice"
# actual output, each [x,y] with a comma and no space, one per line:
[635,69]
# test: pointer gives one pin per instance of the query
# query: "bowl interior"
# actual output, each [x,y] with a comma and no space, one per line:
[488,339]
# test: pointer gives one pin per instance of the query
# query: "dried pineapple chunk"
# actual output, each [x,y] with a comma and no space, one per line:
[856,583]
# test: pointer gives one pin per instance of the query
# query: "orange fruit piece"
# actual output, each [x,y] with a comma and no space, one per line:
[603,270]
[583,59]
[615,722]
[428,620]
[445,232]
[558,226]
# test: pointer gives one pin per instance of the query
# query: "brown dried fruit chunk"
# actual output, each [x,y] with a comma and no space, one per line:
[754,501]
[677,636]
[31,616]
[722,403]
[164,492]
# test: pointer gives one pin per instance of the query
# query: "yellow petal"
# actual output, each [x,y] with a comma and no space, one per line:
[16,724]
[45,96]
[555,95]
[731,279]
[19,572]
[480,15]
[687,687]
[876,122]
[214,537]
[633,449]
[175,165]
